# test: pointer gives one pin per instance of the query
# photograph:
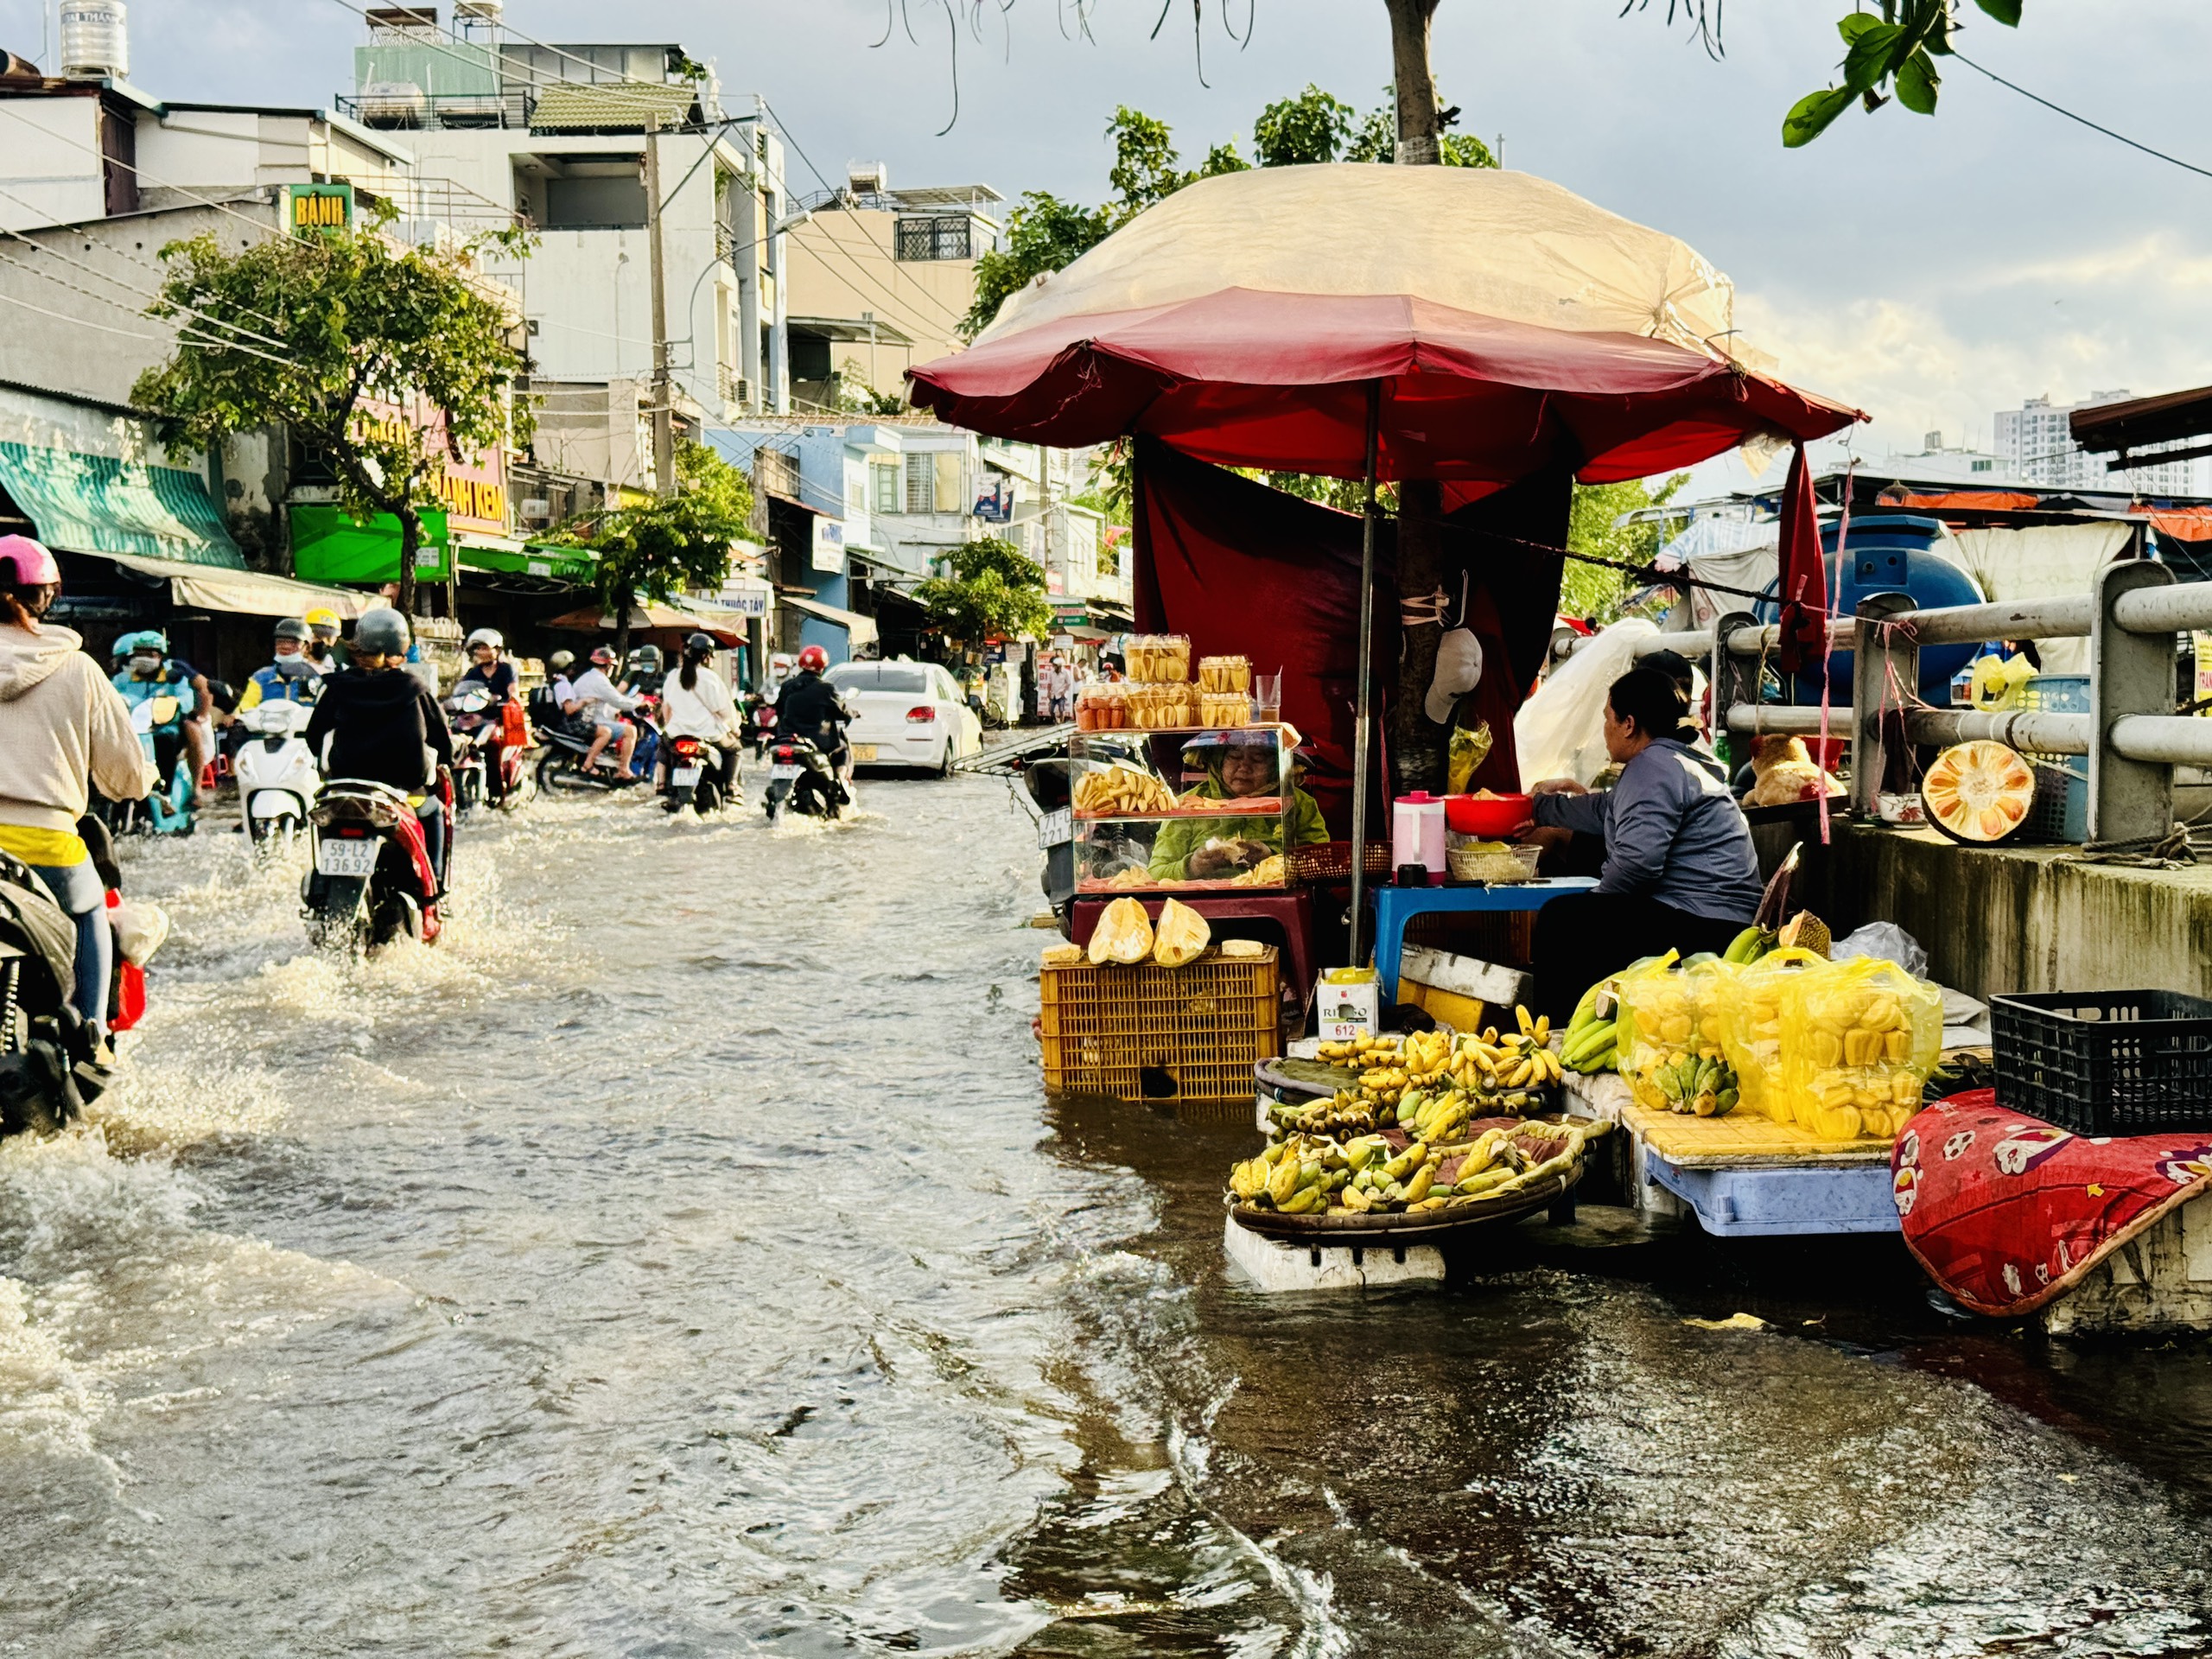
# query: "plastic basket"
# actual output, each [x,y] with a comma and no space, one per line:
[1148,1032]
[2105,1062]
[1330,863]
[2059,694]
[2060,809]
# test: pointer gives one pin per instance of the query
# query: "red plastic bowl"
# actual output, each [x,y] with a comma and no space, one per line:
[1490,819]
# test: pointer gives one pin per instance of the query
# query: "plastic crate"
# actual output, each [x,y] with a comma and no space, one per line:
[1148,1032]
[2105,1062]
[2061,810]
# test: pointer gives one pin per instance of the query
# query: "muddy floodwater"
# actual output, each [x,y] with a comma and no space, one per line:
[681,1260]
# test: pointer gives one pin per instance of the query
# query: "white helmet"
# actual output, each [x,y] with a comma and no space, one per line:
[486,637]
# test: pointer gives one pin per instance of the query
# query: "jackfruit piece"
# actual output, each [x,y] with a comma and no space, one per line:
[1063,956]
[1182,936]
[1124,934]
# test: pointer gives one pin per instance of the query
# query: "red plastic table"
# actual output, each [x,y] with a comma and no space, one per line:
[1291,912]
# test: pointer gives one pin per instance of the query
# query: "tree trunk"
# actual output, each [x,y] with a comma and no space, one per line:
[626,598]
[1416,81]
[410,538]
[1417,746]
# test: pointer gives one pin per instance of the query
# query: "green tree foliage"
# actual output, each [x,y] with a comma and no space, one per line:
[1895,50]
[1046,233]
[673,543]
[986,590]
[312,332]
[1595,590]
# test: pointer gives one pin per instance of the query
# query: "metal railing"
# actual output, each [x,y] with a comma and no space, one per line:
[2132,736]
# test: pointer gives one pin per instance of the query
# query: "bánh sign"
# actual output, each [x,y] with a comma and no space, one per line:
[318,209]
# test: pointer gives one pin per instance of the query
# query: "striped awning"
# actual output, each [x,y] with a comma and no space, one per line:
[96,504]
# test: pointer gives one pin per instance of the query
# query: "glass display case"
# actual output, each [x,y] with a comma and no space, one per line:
[1185,807]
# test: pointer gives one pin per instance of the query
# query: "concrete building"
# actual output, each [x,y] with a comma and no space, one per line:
[2037,441]
[879,280]
[556,137]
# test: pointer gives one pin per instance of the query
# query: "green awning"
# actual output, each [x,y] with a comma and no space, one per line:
[328,546]
[95,503]
[570,564]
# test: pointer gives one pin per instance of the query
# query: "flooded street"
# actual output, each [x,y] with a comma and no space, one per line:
[680,1260]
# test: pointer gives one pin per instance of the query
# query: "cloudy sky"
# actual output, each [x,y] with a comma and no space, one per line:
[1932,271]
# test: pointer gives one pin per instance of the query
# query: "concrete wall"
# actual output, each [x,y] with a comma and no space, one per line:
[49,161]
[841,263]
[2037,919]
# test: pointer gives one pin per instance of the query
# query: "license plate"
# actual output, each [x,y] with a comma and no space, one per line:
[351,858]
[782,774]
[863,752]
[1056,829]
[685,776]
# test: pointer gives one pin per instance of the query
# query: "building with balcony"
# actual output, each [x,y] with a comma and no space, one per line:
[879,280]
[2036,441]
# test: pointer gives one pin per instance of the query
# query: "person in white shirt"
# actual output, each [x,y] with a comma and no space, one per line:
[696,702]
[605,703]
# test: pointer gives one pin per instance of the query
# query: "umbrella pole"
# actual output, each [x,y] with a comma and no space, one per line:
[1363,712]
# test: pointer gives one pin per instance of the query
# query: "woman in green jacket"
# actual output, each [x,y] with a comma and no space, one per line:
[1243,764]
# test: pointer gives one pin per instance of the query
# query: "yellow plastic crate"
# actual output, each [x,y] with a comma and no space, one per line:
[1148,1033]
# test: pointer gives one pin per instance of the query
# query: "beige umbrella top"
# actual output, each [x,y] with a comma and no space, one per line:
[1483,241]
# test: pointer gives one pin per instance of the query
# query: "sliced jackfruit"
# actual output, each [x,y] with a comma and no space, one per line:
[1124,934]
[1182,936]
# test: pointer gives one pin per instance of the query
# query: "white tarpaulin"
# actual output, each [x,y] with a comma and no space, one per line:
[1560,730]
[1481,240]
[2042,561]
[249,593]
[1732,552]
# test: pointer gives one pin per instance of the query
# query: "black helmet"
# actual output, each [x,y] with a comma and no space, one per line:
[699,644]
[384,631]
[646,659]
[292,628]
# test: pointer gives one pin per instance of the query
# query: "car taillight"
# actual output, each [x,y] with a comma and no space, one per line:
[922,717]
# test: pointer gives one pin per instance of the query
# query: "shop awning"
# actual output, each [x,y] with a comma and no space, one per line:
[96,504]
[248,592]
[570,564]
[678,612]
[859,629]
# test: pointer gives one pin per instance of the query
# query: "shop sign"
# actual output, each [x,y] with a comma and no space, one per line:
[828,545]
[318,209]
[995,501]
[471,490]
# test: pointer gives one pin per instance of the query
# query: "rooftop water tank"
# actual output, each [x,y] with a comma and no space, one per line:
[1888,553]
[95,41]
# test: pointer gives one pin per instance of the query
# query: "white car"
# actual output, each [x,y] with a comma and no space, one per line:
[911,715]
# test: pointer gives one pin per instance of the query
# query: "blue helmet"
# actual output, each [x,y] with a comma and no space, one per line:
[152,640]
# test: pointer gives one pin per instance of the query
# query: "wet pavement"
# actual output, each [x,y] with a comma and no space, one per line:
[679,1259]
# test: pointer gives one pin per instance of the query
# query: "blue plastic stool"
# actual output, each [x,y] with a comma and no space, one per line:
[1394,906]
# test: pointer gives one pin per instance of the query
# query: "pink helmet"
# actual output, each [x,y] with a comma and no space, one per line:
[25,563]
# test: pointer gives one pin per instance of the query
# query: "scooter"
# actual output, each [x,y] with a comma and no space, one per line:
[756,716]
[277,772]
[695,777]
[369,877]
[561,767]
[801,778]
[482,726]
[159,722]
[50,1061]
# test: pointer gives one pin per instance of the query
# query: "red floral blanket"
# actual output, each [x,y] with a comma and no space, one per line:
[2007,1212]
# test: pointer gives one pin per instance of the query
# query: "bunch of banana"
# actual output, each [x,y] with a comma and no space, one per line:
[1425,1055]
[1748,946]
[1433,1118]
[1363,1051]
[1698,1084]
[1349,1113]
[1591,1043]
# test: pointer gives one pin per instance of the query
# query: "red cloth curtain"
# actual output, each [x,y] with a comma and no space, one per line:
[1804,579]
[1245,569]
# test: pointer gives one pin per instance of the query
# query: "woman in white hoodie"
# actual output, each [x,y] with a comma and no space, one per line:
[62,728]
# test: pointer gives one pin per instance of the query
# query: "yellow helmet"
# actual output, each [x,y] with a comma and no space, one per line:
[323,617]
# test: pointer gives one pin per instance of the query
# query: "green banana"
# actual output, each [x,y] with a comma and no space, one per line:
[1599,1034]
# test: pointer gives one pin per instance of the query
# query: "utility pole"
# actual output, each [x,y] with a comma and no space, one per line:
[664,410]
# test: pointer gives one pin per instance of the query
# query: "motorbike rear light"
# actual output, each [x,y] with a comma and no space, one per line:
[925,715]
[784,755]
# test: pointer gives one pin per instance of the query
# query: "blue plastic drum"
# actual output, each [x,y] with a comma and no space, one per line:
[1888,553]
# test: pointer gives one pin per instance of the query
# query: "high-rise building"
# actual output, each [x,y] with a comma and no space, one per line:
[2037,441]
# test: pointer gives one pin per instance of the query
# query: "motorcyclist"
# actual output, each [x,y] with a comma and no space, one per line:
[62,729]
[489,668]
[150,671]
[646,674]
[696,702]
[324,654]
[605,703]
[808,706]
[292,678]
[376,721]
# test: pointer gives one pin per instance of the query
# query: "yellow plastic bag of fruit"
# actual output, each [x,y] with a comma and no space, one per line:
[1655,1025]
[1752,1033]
[1859,1039]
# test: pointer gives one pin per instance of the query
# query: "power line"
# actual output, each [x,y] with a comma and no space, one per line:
[2059,109]
[184,334]
[63,316]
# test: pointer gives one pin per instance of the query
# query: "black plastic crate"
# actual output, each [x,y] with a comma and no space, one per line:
[2105,1062]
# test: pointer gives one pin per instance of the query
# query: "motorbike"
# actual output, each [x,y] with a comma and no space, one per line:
[483,726]
[694,777]
[277,773]
[159,722]
[757,713]
[561,767]
[369,877]
[801,779]
[51,1062]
